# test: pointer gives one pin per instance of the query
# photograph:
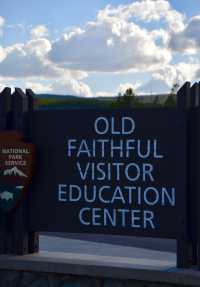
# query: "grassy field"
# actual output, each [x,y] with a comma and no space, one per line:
[50,101]
[82,102]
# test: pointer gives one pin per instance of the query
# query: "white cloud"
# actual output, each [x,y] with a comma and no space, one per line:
[120,89]
[112,43]
[116,42]
[198,74]
[29,60]
[38,87]
[2,54]
[2,86]
[71,87]
[62,86]
[188,40]
[6,82]
[105,94]
[154,86]
[2,23]
[24,60]
[123,87]
[163,79]
[146,11]
[178,73]
[39,31]
[39,46]
[162,35]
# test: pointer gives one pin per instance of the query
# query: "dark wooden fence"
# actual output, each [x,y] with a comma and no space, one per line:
[16,236]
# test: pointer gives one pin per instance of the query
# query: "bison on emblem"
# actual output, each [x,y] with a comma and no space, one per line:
[6,195]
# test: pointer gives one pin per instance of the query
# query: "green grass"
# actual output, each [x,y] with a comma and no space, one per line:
[100,103]
[73,102]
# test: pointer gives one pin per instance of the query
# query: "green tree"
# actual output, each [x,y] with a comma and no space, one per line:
[156,102]
[127,100]
[174,89]
[170,101]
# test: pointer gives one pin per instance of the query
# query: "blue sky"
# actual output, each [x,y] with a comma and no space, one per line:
[91,49]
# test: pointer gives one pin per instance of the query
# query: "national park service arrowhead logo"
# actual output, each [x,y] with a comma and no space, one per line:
[16,169]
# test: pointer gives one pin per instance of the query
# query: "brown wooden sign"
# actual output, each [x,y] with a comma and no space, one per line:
[115,173]
[16,168]
[109,171]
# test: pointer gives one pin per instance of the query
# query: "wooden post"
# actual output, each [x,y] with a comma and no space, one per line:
[5,106]
[183,250]
[33,238]
[193,175]
[5,102]
[31,100]
[197,175]
[20,235]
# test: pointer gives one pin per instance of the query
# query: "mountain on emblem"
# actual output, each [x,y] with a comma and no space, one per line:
[14,171]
